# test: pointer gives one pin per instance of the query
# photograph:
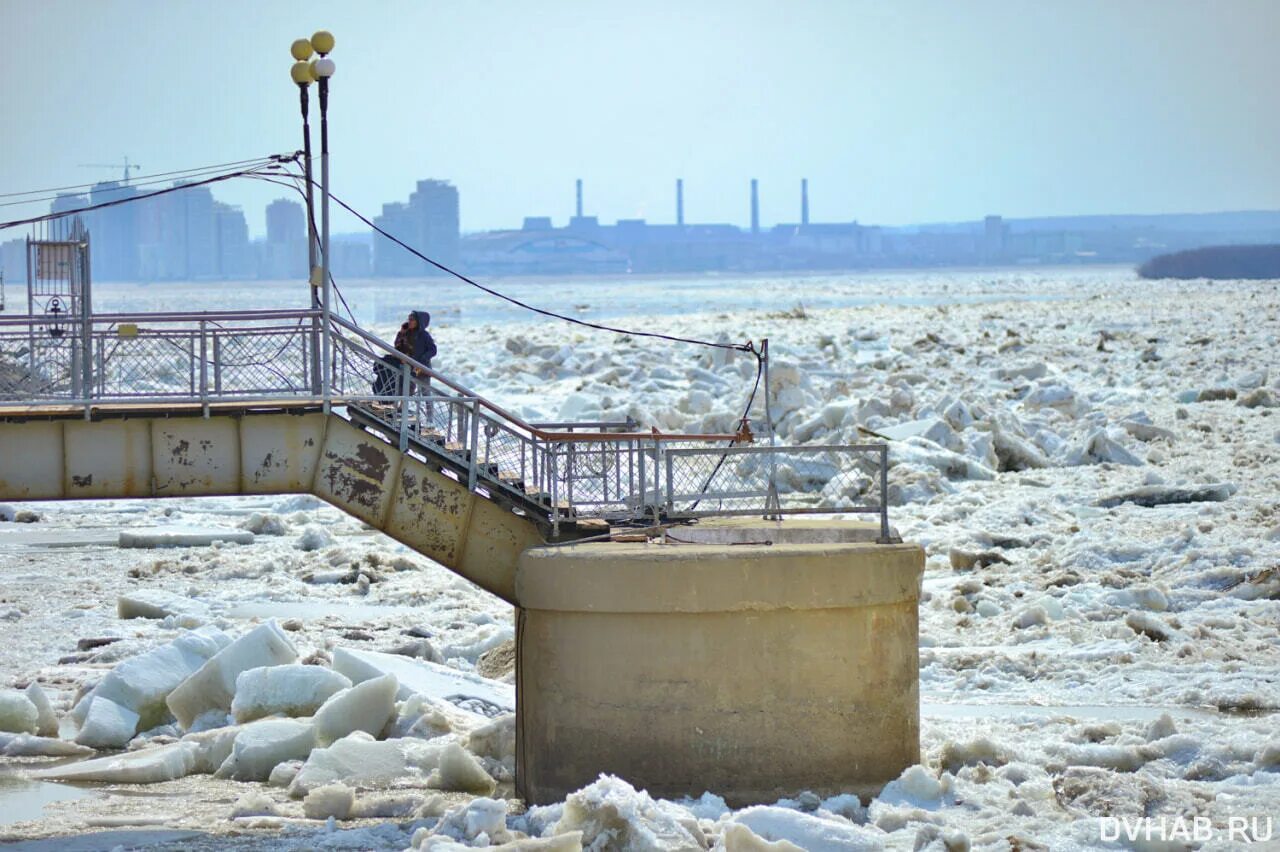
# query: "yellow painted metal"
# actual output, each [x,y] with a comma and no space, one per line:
[31,460]
[279,453]
[431,511]
[357,471]
[192,456]
[111,458]
[252,452]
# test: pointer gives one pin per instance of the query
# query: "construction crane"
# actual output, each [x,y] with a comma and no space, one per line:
[126,166]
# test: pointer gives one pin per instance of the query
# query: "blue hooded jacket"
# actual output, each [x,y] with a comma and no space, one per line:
[418,344]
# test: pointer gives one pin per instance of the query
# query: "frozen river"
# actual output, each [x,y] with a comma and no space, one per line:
[1085,654]
[454,303]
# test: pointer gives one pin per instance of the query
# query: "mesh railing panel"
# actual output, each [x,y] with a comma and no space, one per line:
[34,368]
[761,479]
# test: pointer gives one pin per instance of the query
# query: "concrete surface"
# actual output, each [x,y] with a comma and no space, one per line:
[752,671]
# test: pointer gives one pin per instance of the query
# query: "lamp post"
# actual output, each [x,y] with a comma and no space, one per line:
[322,69]
[301,51]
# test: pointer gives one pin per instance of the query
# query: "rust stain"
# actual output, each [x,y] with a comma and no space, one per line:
[372,462]
[345,476]
[408,484]
[180,451]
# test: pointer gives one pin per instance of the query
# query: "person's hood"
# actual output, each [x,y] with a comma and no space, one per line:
[424,319]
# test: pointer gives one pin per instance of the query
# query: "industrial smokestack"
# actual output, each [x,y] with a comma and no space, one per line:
[579,187]
[755,207]
[680,201]
[804,201]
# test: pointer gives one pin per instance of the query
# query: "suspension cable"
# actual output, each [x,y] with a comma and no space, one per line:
[186,178]
[737,347]
[274,165]
[296,185]
[139,179]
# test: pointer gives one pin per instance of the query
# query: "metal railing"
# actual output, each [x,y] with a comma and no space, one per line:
[557,472]
[774,480]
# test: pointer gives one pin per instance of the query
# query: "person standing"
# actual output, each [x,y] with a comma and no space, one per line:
[414,341]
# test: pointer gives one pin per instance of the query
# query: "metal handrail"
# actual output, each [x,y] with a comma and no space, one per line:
[24,320]
[555,471]
[543,434]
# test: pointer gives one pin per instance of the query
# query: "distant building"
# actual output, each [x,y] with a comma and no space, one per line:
[994,235]
[65,202]
[113,233]
[286,222]
[429,222]
[389,259]
[13,263]
[531,252]
[177,236]
[283,255]
[351,258]
[235,255]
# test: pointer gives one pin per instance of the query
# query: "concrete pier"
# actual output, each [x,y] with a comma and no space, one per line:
[750,669]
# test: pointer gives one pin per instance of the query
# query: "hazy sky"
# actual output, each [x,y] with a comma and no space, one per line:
[896,111]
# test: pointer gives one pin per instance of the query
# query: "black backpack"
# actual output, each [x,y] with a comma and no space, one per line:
[386,375]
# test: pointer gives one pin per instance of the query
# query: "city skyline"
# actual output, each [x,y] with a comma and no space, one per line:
[189,234]
[915,112]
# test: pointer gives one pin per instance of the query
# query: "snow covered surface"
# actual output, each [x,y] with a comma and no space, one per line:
[1093,476]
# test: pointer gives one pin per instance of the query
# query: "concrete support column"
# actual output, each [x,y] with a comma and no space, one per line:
[753,670]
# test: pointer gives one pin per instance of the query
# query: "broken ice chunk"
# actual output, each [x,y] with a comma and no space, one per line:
[367,707]
[107,724]
[263,745]
[146,766]
[18,714]
[213,685]
[290,690]
[46,719]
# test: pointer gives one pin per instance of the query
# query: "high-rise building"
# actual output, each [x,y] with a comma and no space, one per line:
[390,259]
[284,253]
[993,238]
[113,246]
[435,204]
[177,235]
[235,257]
[429,222]
[286,222]
[67,201]
[13,264]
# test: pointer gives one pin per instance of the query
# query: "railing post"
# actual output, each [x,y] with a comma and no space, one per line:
[671,505]
[885,536]
[644,484]
[204,368]
[658,458]
[773,505]
[533,464]
[217,365]
[473,468]
[555,490]
[403,405]
[570,471]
